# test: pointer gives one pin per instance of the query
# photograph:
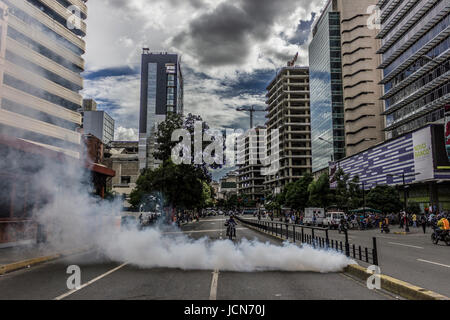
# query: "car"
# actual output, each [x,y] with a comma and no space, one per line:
[332,219]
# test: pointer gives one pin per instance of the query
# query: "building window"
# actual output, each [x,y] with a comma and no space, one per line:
[125,180]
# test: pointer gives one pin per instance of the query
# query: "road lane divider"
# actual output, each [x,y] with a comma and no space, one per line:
[214,285]
[90,282]
[436,263]
[405,245]
[395,286]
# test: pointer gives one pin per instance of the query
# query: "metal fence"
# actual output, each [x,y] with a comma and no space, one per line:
[318,238]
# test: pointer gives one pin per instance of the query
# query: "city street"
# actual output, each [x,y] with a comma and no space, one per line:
[412,258]
[112,280]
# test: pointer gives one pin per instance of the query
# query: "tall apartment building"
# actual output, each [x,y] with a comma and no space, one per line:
[415,62]
[345,108]
[250,181]
[161,93]
[289,111]
[364,122]
[40,72]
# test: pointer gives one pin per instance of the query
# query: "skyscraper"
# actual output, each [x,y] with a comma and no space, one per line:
[327,101]
[161,93]
[289,112]
[345,107]
[415,62]
[40,72]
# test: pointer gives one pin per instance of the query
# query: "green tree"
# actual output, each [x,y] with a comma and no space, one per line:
[385,198]
[355,193]
[341,191]
[297,194]
[413,207]
[181,185]
[320,194]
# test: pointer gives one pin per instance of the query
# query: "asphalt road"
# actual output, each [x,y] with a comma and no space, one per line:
[412,258]
[103,279]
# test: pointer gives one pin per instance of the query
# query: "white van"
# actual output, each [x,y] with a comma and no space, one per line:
[332,219]
[310,213]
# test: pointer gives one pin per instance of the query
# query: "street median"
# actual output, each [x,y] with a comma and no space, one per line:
[6,268]
[395,286]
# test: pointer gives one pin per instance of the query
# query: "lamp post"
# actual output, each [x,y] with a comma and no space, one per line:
[404,193]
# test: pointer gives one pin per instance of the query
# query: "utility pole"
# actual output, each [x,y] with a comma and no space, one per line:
[252,110]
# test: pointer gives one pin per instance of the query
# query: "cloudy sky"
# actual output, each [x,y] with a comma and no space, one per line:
[230,50]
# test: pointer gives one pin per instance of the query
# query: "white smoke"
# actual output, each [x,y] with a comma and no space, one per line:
[74,218]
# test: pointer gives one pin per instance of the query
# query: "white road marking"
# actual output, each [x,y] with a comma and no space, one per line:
[405,245]
[200,231]
[90,282]
[214,283]
[436,263]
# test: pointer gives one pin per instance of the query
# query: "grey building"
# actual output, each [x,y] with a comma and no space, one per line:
[415,62]
[99,124]
[40,73]
[161,93]
[250,181]
[288,110]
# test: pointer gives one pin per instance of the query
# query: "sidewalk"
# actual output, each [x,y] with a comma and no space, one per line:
[21,253]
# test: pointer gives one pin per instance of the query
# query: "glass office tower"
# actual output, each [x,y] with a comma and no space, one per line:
[327,107]
[161,93]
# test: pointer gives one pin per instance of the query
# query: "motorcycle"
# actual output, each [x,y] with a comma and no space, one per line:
[385,228]
[231,230]
[440,235]
[343,227]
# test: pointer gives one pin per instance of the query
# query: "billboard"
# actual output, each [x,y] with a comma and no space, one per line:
[447,130]
[423,154]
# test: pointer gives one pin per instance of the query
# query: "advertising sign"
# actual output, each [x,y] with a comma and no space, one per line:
[423,154]
[447,130]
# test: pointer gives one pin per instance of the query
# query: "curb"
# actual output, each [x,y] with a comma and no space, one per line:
[396,286]
[7,268]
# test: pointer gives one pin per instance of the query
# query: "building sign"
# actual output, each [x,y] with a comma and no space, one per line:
[447,130]
[423,154]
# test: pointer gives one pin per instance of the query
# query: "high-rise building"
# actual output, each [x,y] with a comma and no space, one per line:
[250,181]
[345,108]
[100,124]
[415,61]
[41,48]
[327,100]
[289,111]
[161,93]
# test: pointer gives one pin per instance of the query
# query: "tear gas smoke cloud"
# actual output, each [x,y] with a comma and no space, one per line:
[74,218]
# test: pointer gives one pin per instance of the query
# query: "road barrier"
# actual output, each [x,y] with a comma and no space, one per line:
[316,237]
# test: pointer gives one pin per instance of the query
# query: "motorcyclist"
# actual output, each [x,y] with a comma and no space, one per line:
[343,224]
[231,224]
[443,225]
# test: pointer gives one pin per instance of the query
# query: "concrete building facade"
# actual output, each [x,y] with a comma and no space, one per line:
[250,181]
[100,124]
[415,49]
[40,73]
[364,122]
[288,110]
[122,157]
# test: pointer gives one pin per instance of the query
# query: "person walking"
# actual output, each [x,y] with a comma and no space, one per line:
[423,221]
[414,219]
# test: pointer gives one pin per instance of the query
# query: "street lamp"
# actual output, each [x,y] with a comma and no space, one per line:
[404,192]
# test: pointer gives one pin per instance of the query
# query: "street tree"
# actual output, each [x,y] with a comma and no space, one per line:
[320,194]
[297,194]
[385,198]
